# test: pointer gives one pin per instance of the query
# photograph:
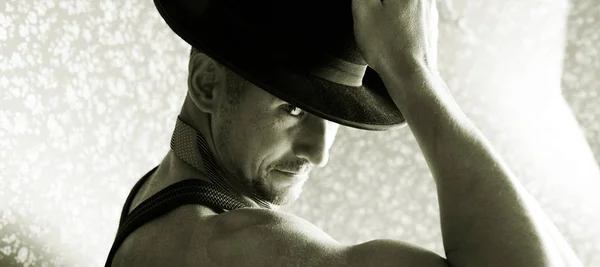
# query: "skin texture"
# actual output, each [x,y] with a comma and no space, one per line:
[487,217]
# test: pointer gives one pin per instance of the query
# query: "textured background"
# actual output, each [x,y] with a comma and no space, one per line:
[89,93]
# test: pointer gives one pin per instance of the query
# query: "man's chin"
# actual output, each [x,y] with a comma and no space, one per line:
[282,195]
[290,196]
[284,200]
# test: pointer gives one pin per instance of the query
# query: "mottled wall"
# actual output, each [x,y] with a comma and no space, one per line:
[581,78]
[89,91]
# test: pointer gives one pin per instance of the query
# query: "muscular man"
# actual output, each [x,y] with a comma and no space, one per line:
[243,144]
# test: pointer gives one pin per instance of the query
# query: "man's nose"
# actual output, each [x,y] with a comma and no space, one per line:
[314,140]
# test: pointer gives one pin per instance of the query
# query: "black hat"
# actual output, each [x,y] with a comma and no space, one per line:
[302,52]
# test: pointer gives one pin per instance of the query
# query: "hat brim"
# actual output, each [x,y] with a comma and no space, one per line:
[204,27]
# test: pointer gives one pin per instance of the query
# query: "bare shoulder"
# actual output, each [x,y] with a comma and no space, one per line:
[247,220]
[259,237]
[173,239]
[194,236]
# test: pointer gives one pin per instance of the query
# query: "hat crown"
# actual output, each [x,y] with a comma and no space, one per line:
[312,25]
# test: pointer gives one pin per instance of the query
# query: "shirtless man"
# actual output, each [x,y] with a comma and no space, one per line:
[264,145]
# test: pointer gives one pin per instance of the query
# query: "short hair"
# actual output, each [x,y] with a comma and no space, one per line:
[194,51]
[235,83]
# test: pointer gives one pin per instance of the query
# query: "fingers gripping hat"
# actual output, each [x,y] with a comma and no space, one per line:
[302,52]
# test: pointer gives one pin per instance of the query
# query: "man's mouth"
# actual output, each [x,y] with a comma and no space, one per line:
[301,172]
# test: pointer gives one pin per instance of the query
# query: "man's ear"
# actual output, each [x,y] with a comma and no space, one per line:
[205,82]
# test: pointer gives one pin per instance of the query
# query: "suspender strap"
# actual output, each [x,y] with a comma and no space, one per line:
[132,194]
[191,191]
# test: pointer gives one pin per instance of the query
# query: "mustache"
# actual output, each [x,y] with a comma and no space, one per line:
[294,166]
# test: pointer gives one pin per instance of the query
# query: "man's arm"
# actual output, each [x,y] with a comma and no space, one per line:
[488,218]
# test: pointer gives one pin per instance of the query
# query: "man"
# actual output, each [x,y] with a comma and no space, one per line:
[263,107]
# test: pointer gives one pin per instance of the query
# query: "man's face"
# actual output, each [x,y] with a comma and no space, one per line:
[268,145]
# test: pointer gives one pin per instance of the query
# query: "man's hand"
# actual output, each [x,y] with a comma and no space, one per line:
[392,32]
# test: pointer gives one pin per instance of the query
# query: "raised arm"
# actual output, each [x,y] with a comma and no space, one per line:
[487,217]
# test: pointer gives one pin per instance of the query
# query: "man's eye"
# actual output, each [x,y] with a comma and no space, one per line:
[293,110]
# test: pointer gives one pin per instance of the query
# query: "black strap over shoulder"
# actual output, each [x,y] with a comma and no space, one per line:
[188,145]
[191,191]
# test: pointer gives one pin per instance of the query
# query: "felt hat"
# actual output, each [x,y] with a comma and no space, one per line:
[302,52]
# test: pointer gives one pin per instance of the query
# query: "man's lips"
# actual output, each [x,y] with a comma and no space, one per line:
[293,173]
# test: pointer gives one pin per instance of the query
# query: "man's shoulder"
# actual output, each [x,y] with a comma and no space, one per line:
[256,219]
[192,235]
[167,238]
[261,237]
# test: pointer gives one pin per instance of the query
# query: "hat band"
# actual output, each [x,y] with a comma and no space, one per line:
[340,71]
